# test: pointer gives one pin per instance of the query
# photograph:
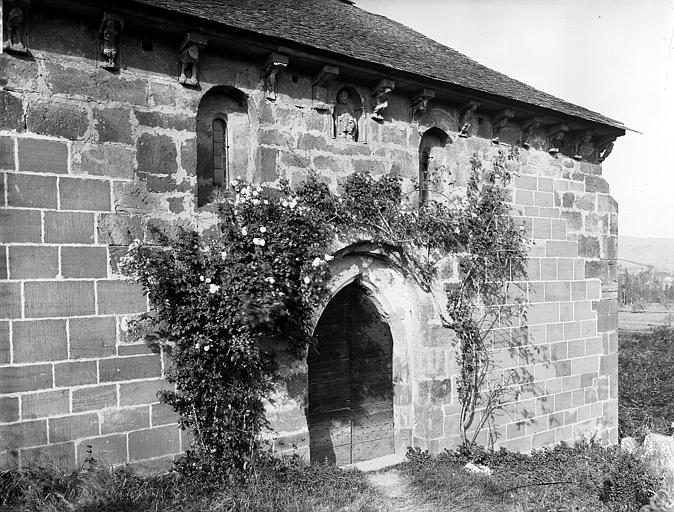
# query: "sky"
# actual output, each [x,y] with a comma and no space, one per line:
[615,57]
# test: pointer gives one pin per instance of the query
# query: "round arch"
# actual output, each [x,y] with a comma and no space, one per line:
[222,151]
[436,118]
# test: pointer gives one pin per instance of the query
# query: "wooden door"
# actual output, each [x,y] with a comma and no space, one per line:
[350,412]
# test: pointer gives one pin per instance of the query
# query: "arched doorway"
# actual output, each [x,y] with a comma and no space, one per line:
[350,413]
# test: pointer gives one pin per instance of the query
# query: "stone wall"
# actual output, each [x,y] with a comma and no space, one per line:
[90,160]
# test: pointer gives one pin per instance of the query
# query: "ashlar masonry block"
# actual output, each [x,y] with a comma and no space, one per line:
[58,298]
[39,340]
[43,155]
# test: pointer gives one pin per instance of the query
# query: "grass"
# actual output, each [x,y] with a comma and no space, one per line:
[646,382]
[586,476]
[290,486]
[582,477]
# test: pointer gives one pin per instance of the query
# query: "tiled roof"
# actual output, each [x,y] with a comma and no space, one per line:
[345,29]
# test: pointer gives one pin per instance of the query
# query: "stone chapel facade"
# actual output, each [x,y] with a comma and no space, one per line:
[115,116]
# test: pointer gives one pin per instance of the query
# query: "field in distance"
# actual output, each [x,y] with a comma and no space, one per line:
[654,315]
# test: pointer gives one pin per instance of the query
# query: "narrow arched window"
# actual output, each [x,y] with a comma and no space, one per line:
[424,175]
[223,140]
[433,138]
[220,177]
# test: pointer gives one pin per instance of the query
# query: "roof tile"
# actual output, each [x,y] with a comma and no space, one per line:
[345,29]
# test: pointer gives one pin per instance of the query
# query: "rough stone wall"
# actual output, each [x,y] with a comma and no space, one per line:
[90,160]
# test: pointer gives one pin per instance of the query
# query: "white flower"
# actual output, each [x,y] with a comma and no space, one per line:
[213,288]
[284,203]
[457,231]
[207,348]
[317,262]
[205,248]
[327,257]
[270,280]
[265,201]
[259,241]
[256,202]
[263,229]
[292,203]
[244,231]
[201,278]
[223,255]
[307,279]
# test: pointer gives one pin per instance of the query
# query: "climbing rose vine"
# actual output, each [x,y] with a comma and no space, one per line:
[225,302]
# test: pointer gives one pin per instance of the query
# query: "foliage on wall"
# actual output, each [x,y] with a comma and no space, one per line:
[226,301]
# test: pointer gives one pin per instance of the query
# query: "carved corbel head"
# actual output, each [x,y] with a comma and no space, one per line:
[380,96]
[420,103]
[319,91]
[466,113]
[556,134]
[583,147]
[500,121]
[529,127]
[605,146]
[110,35]
[15,26]
[193,44]
[274,64]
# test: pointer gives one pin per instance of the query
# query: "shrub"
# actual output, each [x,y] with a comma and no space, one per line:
[584,476]
[225,302]
[645,381]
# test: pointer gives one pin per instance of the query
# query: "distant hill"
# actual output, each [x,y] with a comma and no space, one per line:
[636,253]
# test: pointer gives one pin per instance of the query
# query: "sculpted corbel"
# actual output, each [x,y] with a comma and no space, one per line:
[500,121]
[110,35]
[380,96]
[15,26]
[193,44]
[467,113]
[275,63]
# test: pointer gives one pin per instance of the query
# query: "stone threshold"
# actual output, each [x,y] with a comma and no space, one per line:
[376,464]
